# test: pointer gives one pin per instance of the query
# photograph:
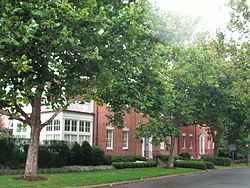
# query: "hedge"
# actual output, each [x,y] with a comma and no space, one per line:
[125,158]
[190,164]
[185,156]
[164,158]
[221,161]
[121,165]
[64,169]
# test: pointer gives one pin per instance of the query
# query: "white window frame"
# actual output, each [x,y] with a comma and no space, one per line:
[190,141]
[124,139]
[183,141]
[109,139]
[162,145]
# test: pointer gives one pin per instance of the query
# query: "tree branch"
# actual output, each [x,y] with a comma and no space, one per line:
[20,110]
[51,118]
[12,116]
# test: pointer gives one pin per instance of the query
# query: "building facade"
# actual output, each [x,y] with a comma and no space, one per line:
[86,122]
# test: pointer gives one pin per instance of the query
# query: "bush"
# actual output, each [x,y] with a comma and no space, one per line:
[107,160]
[76,154]
[209,165]
[164,158]
[86,154]
[121,165]
[98,155]
[185,156]
[190,164]
[64,169]
[221,161]
[127,158]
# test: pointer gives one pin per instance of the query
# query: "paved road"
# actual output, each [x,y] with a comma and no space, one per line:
[231,178]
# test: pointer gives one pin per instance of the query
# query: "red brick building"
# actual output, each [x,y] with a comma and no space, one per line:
[194,140]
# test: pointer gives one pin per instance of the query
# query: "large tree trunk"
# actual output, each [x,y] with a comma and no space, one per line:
[217,142]
[32,157]
[35,123]
[171,153]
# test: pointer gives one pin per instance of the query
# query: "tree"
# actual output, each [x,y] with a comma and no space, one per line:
[52,52]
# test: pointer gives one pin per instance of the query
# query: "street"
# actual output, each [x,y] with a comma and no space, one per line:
[231,178]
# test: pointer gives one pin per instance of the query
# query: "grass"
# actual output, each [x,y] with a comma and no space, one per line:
[92,178]
[232,166]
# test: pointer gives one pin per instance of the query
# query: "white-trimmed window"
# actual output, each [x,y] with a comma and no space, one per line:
[81,126]
[190,141]
[56,136]
[208,143]
[49,127]
[124,139]
[83,138]
[162,145]
[49,137]
[87,127]
[67,137]
[183,141]
[73,138]
[109,139]
[73,125]
[56,125]
[67,125]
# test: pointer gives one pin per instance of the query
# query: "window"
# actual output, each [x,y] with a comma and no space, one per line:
[73,125]
[184,142]
[84,138]
[56,137]
[67,137]
[190,141]
[208,143]
[49,127]
[109,139]
[87,127]
[48,137]
[67,125]
[125,140]
[162,144]
[73,138]
[56,125]
[81,126]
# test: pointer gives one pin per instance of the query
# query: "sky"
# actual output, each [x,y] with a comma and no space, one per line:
[213,13]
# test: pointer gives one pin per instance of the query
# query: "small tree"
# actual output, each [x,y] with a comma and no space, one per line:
[76,154]
[86,153]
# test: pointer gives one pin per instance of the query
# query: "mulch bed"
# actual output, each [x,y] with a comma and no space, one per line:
[31,178]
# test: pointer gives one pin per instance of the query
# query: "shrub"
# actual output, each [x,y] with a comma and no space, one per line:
[221,161]
[185,156]
[209,165]
[164,158]
[127,158]
[191,164]
[76,154]
[107,160]
[98,155]
[121,165]
[86,154]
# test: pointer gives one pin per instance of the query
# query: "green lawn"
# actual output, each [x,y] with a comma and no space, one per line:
[91,178]
[232,166]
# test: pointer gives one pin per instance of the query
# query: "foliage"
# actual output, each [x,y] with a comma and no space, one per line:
[185,156]
[164,158]
[191,164]
[98,155]
[221,161]
[121,165]
[209,165]
[129,158]
[55,51]
[76,154]
[86,153]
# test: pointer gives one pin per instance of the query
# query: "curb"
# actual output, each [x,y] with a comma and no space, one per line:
[154,178]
